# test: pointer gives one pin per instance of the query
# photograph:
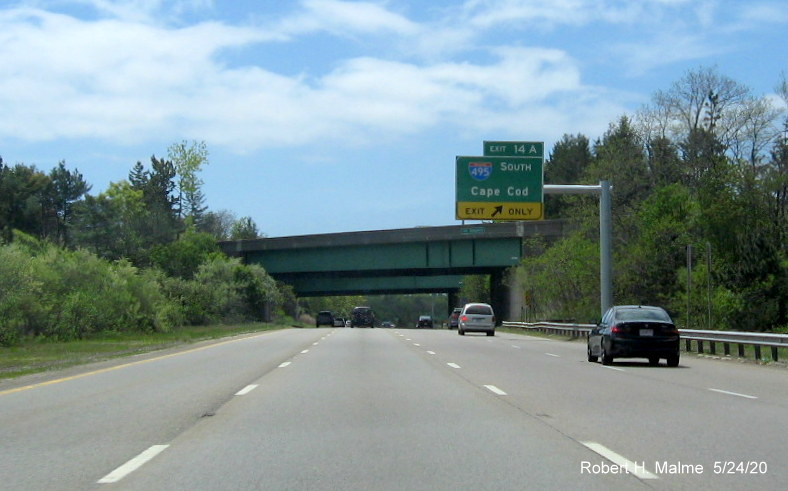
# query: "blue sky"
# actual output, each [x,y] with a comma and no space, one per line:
[328,116]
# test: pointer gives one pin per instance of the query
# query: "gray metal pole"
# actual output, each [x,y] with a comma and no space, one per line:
[605,247]
[605,233]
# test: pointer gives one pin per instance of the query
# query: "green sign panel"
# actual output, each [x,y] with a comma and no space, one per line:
[514,149]
[499,188]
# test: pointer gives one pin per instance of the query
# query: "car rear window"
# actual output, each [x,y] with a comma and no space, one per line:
[479,310]
[642,315]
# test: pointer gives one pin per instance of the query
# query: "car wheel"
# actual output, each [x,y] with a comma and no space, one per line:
[491,333]
[673,361]
[591,357]
[606,359]
[460,332]
[653,361]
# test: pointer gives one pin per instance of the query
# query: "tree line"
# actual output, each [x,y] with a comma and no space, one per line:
[700,186]
[140,256]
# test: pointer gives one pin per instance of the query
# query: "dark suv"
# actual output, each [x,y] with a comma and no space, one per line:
[324,318]
[362,317]
[425,321]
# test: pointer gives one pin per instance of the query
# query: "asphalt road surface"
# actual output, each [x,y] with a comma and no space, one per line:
[395,409]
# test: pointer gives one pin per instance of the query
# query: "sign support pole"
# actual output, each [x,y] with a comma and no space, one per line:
[605,234]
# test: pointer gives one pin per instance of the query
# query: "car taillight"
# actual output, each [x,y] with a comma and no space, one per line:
[616,330]
[464,318]
[672,330]
[493,320]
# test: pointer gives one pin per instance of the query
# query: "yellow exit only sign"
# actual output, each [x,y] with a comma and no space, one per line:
[473,210]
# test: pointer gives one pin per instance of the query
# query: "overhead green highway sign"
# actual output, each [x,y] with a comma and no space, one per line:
[514,149]
[499,188]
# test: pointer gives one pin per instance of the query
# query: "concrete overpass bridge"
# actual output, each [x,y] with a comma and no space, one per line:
[414,260]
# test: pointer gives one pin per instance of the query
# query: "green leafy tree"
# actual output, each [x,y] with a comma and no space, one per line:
[109,224]
[65,188]
[218,223]
[183,257]
[188,159]
[566,165]
[22,200]
[244,228]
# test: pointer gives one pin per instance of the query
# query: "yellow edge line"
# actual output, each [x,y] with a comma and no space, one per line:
[118,367]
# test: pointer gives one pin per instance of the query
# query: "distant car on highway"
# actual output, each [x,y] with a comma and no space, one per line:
[386,324]
[454,318]
[634,331]
[362,317]
[339,322]
[476,317]
[424,322]
[324,318]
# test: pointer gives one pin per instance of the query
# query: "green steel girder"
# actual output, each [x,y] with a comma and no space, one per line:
[427,257]
[421,259]
[319,286]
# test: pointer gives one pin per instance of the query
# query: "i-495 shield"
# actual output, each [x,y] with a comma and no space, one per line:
[480,170]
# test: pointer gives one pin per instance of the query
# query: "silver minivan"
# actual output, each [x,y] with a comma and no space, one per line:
[476,317]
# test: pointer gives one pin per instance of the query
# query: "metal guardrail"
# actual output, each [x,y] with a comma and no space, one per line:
[713,338]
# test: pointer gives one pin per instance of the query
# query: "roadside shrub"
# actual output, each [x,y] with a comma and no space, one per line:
[60,294]
[19,294]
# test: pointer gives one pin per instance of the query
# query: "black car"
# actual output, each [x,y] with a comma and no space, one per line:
[324,318]
[362,317]
[634,331]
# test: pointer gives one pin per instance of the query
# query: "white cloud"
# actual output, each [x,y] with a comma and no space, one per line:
[346,18]
[140,82]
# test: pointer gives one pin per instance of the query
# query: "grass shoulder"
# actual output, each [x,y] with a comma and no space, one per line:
[36,356]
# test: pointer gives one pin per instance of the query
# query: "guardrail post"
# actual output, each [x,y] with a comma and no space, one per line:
[726,348]
[712,347]
[741,350]
[688,345]
[700,346]
[774,353]
[758,352]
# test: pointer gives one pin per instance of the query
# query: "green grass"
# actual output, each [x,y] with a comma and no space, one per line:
[36,356]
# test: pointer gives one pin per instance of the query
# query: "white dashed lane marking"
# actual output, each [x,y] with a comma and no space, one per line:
[495,390]
[132,465]
[246,390]
[746,396]
[630,466]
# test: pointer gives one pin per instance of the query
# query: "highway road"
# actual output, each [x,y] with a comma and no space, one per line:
[394,409]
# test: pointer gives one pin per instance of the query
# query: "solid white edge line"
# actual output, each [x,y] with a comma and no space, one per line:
[246,390]
[614,368]
[132,465]
[284,364]
[495,390]
[453,365]
[733,393]
[621,461]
